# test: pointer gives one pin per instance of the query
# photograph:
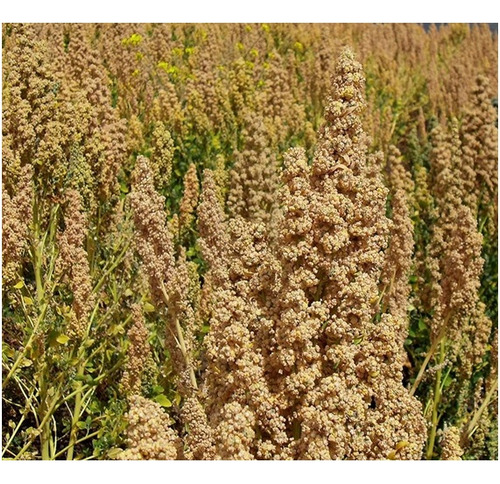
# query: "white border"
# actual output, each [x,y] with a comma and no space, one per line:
[356,11]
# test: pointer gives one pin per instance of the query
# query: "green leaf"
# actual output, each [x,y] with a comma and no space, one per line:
[25,363]
[62,339]
[162,400]
[28,301]
[114,452]
[19,285]
[8,351]
[448,381]
[148,308]
[117,329]
[157,389]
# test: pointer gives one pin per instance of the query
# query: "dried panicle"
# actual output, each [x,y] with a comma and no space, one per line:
[455,251]
[153,240]
[235,375]
[36,127]
[73,262]
[168,281]
[137,354]
[221,176]
[479,135]
[460,267]
[241,87]
[181,314]
[199,437]
[162,154]
[214,239]
[106,131]
[450,444]
[397,269]
[166,107]
[16,221]
[28,96]
[238,343]
[149,435]
[277,101]
[236,433]
[113,141]
[350,201]
[254,176]
[204,93]
[324,356]
[135,136]
[189,200]
[473,344]
[399,177]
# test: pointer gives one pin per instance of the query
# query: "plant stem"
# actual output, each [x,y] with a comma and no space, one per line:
[46,418]
[76,415]
[182,344]
[88,436]
[475,419]
[428,357]
[437,398]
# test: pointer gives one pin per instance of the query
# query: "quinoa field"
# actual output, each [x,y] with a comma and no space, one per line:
[249,241]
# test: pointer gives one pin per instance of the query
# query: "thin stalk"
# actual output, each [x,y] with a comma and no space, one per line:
[429,355]
[437,399]
[182,344]
[74,421]
[79,406]
[46,418]
[112,267]
[475,418]
[88,436]
[37,252]
[27,346]
[45,434]
[76,415]
[14,433]
[23,416]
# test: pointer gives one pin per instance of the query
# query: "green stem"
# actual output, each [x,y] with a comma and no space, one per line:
[27,347]
[46,418]
[475,419]
[112,268]
[88,436]
[429,355]
[182,345]
[76,415]
[46,433]
[437,399]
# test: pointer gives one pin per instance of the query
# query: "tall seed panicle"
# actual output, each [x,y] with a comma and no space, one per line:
[153,240]
[137,354]
[73,260]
